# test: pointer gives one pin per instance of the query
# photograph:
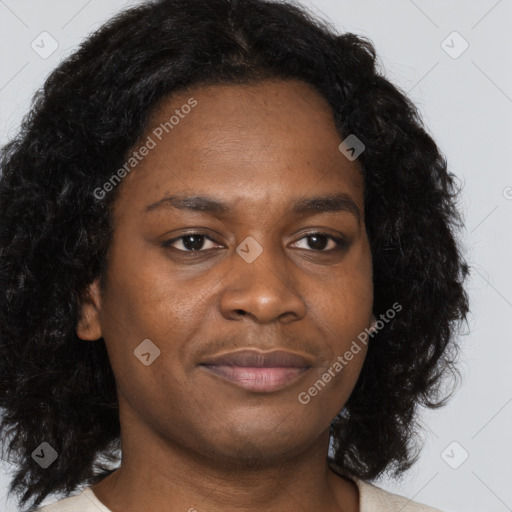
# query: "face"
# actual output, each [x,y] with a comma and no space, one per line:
[201,280]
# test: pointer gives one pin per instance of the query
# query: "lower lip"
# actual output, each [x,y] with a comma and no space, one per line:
[258,379]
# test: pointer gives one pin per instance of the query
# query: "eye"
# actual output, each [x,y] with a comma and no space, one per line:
[192,242]
[195,242]
[318,241]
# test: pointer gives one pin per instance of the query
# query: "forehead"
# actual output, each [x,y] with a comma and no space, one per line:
[250,143]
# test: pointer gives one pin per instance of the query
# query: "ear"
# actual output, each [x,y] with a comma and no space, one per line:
[88,326]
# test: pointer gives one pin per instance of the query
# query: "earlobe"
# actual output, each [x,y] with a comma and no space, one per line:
[88,326]
[373,324]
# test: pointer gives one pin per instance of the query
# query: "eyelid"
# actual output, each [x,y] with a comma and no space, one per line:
[340,241]
[167,243]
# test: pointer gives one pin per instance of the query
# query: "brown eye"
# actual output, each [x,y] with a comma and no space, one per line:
[191,242]
[319,241]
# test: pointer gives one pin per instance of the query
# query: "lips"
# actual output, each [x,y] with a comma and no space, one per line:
[258,371]
[257,359]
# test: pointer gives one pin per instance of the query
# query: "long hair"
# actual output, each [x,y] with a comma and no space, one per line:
[55,232]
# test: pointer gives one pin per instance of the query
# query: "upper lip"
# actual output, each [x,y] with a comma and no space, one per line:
[258,359]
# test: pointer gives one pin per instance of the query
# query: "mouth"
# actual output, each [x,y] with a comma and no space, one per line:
[258,371]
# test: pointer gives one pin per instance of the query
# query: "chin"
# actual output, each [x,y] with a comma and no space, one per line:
[249,446]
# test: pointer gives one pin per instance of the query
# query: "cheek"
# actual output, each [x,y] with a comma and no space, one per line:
[359,285]
[148,300]
[349,295]
[343,310]
[342,323]
[146,323]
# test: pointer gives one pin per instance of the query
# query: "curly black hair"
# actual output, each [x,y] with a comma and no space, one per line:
[55,232]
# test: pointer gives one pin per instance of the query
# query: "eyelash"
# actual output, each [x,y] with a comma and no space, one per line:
[341,243]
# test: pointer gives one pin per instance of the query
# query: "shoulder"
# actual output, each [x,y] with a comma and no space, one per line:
[375,499]
[85,501]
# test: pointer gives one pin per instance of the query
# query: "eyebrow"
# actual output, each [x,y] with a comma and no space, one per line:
[340,202]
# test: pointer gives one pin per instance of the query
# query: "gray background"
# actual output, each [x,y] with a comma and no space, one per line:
[466,103]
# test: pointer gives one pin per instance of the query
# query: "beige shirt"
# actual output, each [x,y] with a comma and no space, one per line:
[371,499]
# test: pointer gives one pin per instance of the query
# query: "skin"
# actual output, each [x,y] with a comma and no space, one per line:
[191,440]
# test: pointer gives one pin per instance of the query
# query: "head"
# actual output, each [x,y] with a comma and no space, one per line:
[246,103]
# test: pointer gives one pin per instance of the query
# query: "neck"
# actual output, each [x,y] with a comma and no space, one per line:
[174,477]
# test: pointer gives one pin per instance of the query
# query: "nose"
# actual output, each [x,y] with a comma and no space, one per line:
[265,289]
